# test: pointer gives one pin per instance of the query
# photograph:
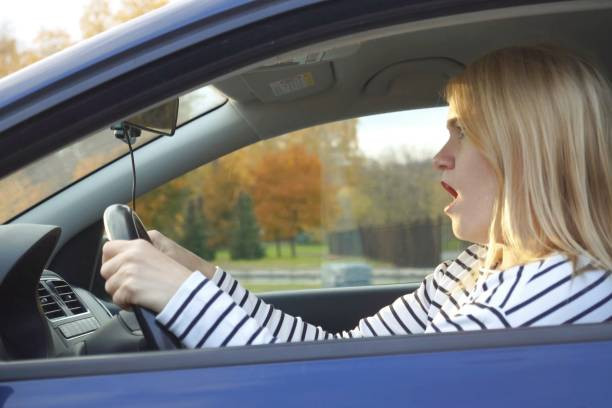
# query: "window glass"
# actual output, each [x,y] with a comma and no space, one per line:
[48,175]
[356,202]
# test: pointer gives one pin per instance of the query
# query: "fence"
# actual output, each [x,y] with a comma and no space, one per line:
[416,244]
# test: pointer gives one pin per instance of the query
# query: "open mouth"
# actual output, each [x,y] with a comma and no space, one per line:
[450,190]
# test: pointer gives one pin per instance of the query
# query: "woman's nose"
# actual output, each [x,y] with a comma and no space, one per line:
[444,160]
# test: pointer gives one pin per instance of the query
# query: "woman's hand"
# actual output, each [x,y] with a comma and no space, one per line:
[181,255]
[139,274]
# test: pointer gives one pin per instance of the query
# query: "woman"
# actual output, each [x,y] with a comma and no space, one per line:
[528,165]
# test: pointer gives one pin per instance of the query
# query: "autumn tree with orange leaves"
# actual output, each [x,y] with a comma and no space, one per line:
[287,193]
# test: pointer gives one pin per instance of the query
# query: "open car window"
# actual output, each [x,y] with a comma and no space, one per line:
[43,178]
[349,203]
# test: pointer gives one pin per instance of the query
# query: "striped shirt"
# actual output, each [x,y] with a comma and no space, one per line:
[220,312]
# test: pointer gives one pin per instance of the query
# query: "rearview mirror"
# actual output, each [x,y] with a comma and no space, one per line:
[159,119]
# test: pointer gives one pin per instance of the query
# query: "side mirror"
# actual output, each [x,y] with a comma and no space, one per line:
[160,119]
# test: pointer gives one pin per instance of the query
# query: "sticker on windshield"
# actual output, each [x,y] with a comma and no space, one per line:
[293,84]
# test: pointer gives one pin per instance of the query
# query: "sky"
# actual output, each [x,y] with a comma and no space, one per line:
[421,132]
[24,18]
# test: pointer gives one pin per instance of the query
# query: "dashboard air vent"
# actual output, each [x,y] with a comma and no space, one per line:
[68,296]
[49,306]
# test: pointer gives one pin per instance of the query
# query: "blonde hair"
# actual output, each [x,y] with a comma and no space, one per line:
[541,116]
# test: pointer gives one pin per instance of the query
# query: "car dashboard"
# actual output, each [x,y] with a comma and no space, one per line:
[43,316]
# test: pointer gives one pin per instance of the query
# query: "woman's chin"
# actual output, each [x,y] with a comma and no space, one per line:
[467,232]
[456,228]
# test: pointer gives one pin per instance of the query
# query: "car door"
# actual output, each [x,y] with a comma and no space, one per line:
[560,366]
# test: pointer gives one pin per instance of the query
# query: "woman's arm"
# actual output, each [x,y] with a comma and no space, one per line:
[407,314]
[201,313]
[220,312]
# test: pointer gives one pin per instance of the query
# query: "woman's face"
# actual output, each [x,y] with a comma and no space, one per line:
[471,182]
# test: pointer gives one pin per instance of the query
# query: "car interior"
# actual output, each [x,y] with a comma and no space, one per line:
[395,68]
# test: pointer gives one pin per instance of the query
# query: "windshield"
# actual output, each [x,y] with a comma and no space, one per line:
[39,180]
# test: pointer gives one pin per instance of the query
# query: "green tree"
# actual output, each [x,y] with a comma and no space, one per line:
[245,242]
[195,230]
[164,207]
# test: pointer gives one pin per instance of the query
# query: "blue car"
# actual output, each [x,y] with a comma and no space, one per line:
[227,74]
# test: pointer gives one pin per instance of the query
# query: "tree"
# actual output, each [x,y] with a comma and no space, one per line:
[287,193]
[48,42]
[221,187]
[245,241]
[398,191]
[195,230]
[9,56]
[96,18]
[130,9]
[21,190]
[164,207]
[341,160]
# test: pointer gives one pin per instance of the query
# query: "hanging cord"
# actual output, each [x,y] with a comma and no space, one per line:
[133,209]
[129,142]
[128,134]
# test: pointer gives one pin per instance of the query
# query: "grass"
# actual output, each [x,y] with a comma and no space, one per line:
[309,256]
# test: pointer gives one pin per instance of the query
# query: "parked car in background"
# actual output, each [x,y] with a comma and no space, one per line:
[346,274]
[244,71]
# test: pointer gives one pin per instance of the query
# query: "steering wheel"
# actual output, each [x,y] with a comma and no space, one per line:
[120,222]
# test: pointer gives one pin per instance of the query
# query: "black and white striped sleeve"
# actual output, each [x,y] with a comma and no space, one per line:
[536,294]
[552,293]
[472,316]
[408,314]
[222,313]
[284,327]
[202,315]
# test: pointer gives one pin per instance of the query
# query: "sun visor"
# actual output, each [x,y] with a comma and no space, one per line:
[414,78]
[280,83]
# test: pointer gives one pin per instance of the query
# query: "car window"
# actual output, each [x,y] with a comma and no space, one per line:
[349,203]
[43,178]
